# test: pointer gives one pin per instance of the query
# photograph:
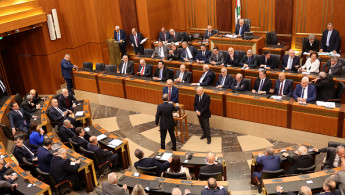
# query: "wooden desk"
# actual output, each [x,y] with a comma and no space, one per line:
[112,84]
[83,106]
[279,49]
[42,119]
[197,44]
[85,81]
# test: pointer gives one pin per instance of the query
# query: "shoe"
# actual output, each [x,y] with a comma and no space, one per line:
[174,149]
[203,137]
[208,140]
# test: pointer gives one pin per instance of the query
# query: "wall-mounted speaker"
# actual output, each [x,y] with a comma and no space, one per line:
[56,24]
[51,27]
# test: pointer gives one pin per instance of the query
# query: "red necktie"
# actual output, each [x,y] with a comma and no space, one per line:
[136,37]
[281,88]
[169,94]
[67,102]
[142,70]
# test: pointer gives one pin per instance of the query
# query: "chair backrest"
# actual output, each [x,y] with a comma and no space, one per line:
[148,170]
[258,59]
[88,65]
[247,21]
[18,98]
[148,51]
[47,178]
[272,174]
[91,155]
[276,59]
[340,90]
[335,144]
[184,34]
[181,175]
[216,30]
[249,83]
[197,36]
[241,53]
[189,38]
[75,145]
[7,131]
[110,68]
[206,176]
[100,66]
[171,75]
[307,170]
[271,38]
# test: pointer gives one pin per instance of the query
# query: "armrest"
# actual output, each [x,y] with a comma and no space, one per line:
[334,100]
[63,182]
[106,162]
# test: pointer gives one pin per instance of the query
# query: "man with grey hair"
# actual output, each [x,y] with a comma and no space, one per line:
[241,27]
[239,83]
[67,100]
[311,44]
[334,158]
[305,190]
[66,69]
[144,69]
[334,66]
[120,36]
[182,75]
[269,162]
[67,131]
[324,87]
[35,98]
[202,103]
[177,191]
[126,67]
[110,187]
[301,159]
[188,53]
[249,60]
[330,40]
[175,37]
[290,61]
[207,77]
[304,93]
[209,33]
[225,80]
[28,105]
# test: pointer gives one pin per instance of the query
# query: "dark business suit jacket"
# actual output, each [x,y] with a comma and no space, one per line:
[122,35]
[229,62]
[178,37]
[220,58]
[334,41]
[268,63]
[54,115]
[165,73]
[175,55]
[307,47]
[302,161]
[129,69]
[208,79]
[81,142]
[150,162]
[295,62]
[288,88]
[228,81]
[27,106]
[164,115]
[311,93]
[66,68]
[331,153]
[186,76]
[241,87]
[336,71]
[203,106]
[325,89]
[44,159]
[192,50]
[174,93]
[70,98]
[245,28]
[60,168]
[216,191]
[164,38]
[205,57]
[207,35]
[252,63]
[66,134]
[140,38]
[147,71]
[99,152]
[269,163]
[20,152]
[110,189]
[266,86]
[211,168]
[16,120]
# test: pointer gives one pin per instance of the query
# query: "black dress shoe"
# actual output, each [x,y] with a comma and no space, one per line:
[208,140]
[203,137]
[174,149]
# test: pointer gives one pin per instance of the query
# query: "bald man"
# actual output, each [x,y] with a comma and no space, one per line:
[212,166]
[67,100]
[172,92]
[66,69]
[209,33]
[301,159]
[35,98]
[182,75]
[110,187]
[207,77]
[164,36]
[304,92]
[202,108]
[213,188]
[120,36]
[175,37]
[290,61]
[282,87]
[135,40]
[144,69]
[305,190]
[241,27]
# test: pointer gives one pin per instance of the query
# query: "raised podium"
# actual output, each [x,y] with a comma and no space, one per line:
[114,52]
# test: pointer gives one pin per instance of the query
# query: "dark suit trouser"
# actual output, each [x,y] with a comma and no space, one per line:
[327,49]
[76,181]
[114,159]
[69,85]
[123,49]
[205,126]
[172,136]
[139,49]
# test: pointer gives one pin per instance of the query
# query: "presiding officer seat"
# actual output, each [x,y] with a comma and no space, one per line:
[88,65]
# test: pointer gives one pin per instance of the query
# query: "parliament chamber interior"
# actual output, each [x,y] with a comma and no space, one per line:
[172,97]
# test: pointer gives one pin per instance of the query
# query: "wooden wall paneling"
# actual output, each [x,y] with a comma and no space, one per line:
[179,18]
[129,18]
[201,13]
[283,16]
[337,18]
[143,21]
[225,12]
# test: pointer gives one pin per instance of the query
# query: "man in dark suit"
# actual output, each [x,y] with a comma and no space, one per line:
[203,55]
[161,51]
[334,156]
[67,100]
[291,61]
[239,84]
[61,169]
[103,155]
[249,60]
[282,87]
[330,40]
[216,57]
[175,37]
[17,117]
[301,160]
[311,44]
[174,53]
[182,75]
[329,188]
[57,114]
[304,92]
[339,177]
[135,40]
[35,98]
[166,121]
[28,105]
[162,73]
[44,156]
[150,162]
[262,84]
[231,58]
[225,80]
[269,162]
[66,69]
[209,33]
[266,61]
[164,36]
[120,36]
[324,87]
[66,131]
[188,53]
[202,108]
[211,165]
[241,27]
[213,189]
[206,78]
[79,138]
[126,67]
[172,92]
[305,190]
[24,149]
[110,187]
[334,66]
[144,69]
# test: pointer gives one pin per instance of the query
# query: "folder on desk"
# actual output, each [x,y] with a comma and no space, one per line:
[100,137]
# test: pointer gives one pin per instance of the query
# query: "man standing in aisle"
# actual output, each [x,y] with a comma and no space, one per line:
[202,109]
[66,69]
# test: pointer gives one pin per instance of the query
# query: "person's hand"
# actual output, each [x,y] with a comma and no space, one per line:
[186,59]
[213,62]
[187,191]
[295,152]
[33,116]
[7,177]
[285,154]
[170,160]
[314,80]
[14,177]
[321,50]
[106,150]
[287,68]
[121,41]
[178,80]
[261,92]
[206,40]
[7,165]
[152,56]
[41,131]
[74,105]
[132,45]
[32,104]
[70,111]
[193,84]
[72,159]
[13,131]
[261,154]
[35,159]
[279,189]
[78,161]
[219,86]
[315,150]
[198,113]
[299,99]
[268,68]
[271,90]
[75,66]
[197,61]
[55,153]
[171,52]
[65,113]
[245,65]
[38,106]
[253,91]
[303,100]
[14,185]
[262,65]
[124,186]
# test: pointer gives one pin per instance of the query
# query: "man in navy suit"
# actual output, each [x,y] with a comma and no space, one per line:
[283,87]
[79,138]
[182,75]
[249,60]
[17,117]
[225,80]
[66,69]
[239,84]
[144,69]
[266,61]
[269,162]
[241,27]
[203,55]
[231,58]
[188,53]
[213,189]
[24,149]
[208,33]
[135,40]
[44,156]
[262,84]
[120,36]
[172,92]
[162,73]
[67,100]
[330,40]
[202,108]
[57,114]
[291,61]
[150,162]
[206,78]
[164,36]
[304,92]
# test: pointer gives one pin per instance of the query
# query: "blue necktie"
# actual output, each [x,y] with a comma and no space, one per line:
[261,83]
[118,36]
[302,95]
[160,74]
[248,60]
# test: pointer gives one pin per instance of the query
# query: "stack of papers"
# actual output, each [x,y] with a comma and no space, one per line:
[276,97]
[305,72]
[326,104]
[87,128]
[243,68]
[230,36]
[143,41]
[166,156]
[114,143]
[79,113]
[100,137]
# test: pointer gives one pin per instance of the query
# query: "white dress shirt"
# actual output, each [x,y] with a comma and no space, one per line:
[311,67]
[189,54]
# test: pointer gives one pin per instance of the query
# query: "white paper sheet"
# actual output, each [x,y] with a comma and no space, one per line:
[79,113]
[100,137]
[166,156]
[87,128]
[143,41]
[326,104]
[276,97]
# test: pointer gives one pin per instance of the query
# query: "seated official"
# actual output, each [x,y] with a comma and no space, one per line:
[162,73]
[216,58]
[239,84]
[144,69]
[225,80]
[269,162]
[334,66]
[103,155]
[290,62]
[203,55]
[177,191]
[3,169]
[7,181]
[36,134]
[188,53]
[249,60]
[266,61]
[44,156]
[172,92]
[330,40]
[282,87]
[211,165]
[334,156]
[175,37]
[164,36]
[161,51]
[175,167]
[79,138]
[67,100]
[311,44]
[241,27]
[110,187]
[138,190]
[324,87]
[304,92]
[262,84]
[174,54]
[57,114]
[305,190]
[231,59]
[61,169]
[150,162]
[301,160]
[208,33]
[126,67]
[35,98]
[312,64]
[67,131]
[329,188]
[339,177]
[206,78]
[17,117]
[213,189]
[182,75]
[24,149]
[28,105]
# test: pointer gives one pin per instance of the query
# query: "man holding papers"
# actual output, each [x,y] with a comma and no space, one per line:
[137,41]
